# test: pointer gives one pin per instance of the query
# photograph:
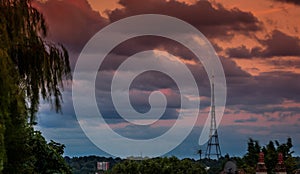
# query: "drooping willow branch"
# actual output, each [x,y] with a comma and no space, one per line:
[41,66]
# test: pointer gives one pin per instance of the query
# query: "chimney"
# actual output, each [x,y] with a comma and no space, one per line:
[261,167]
[280,168]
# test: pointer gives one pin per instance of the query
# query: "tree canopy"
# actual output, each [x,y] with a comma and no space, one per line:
[271,151]
[30,68]
[159,165]
[210,166]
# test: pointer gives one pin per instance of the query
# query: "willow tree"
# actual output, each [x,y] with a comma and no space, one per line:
[30,68]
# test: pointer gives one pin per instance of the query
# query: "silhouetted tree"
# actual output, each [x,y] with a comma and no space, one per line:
[165,165]
[270,151]
[251,158]
[199,152]
[30,68]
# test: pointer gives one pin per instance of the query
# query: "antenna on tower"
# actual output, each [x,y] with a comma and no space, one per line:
[213,142]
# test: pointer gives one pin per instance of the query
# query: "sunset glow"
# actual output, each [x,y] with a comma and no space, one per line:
[257,41]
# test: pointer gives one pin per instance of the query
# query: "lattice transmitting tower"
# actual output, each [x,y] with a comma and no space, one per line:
[213,142]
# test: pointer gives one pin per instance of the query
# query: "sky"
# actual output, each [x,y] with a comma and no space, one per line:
[258,43]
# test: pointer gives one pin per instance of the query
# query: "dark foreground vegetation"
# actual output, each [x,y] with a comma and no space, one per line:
[167,165]
[162,165]
[30,68]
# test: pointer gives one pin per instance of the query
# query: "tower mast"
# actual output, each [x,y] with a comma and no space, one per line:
[213,146]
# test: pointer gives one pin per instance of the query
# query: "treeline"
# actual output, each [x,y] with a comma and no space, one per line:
[88,164]
[271,151]
[161,165]
[171,165]
[167,165]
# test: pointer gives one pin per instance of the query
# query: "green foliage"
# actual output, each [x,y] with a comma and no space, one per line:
[251,158]
[47,156]
[297,160]
[40,65]
[271,151]
[165,165]
[38,156]
[5,100]
[215,166]
[29,68]
[271,156]
[14,131]
[87,164]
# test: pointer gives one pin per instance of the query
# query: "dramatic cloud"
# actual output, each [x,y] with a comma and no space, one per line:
[71,22]
[280,44]
[212,19]
[268,88]
[252,119]
[283,63]
[276,44]
[296,2]
[268,98]
[242,52]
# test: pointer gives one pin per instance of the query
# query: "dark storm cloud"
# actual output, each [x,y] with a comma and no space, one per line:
[280,44]
[112,117]
[213,20]
[138,44]
[275,44]
[139,99]
[243,52]
[262,89]
[245,92]
[283,63]
[284,85]
[251,120]
[265,93]
[154,80]
[143,43]
[141,132]
[232,70]
[140,88]
[254,93]
[296,2]
[70,22]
